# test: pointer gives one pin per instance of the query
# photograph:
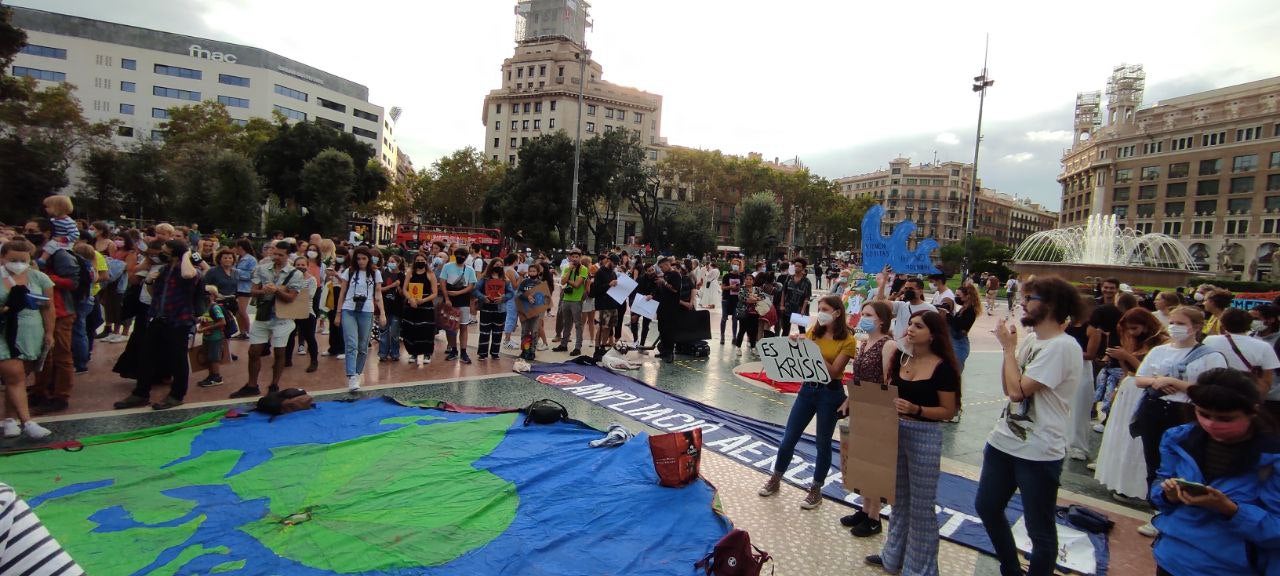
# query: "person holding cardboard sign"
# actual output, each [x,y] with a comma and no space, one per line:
[870,404]
[928,384]
[824,401]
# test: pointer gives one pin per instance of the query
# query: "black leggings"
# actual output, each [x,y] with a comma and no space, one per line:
[307,329]
[750,327]
[638,334]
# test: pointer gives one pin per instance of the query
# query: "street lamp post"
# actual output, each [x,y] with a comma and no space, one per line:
[577,143]
[980,85]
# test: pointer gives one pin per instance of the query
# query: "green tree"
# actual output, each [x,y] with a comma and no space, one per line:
[532,196]
[234,194]
[327,181]
[280,161]
[686,229]
[455,187]
[146,191]
[613,171]
[985,255]
[101,183]
[12,39]
[758,219]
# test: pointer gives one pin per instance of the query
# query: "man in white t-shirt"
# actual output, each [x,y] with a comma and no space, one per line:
[1011,292]
[1026,449]
[911,301]
[1244,352]
[943,299]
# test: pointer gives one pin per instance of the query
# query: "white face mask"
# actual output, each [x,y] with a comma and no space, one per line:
[1258,325]
[1199,296]
[1179,333]
[17,268]
[340,259]
[825,318]
[312,254]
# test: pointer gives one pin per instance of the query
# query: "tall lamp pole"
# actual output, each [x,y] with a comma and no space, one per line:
[577,143]
[980,85]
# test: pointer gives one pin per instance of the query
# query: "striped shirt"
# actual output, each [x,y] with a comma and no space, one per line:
[26,547]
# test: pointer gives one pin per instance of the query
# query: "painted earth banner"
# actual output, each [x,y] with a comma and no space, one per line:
[372,487]
[753,443]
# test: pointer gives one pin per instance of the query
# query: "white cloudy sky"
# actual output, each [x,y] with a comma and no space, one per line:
[843,85]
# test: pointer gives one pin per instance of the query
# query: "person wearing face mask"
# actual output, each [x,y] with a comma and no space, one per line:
[969,307]
[645,275]
[26,330]
[54,382]
[322,262]
[730,284]
[1165,375]
[392,305]
[304,329]
[824,401]
[870,366]
[1028,445]
[1215,303]
[1217,491]
[1244,352]
[911,301]
[332,305]
[246,263]
[418,314]
[796,290]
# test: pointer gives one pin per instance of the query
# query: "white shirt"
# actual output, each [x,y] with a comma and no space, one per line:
[902,312]
[943,296]
[1162,317]
[1036,428]
[1258,352]
[1163,361]
[363,285]
[1011,285]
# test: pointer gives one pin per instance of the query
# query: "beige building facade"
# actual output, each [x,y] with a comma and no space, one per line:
[1202,168]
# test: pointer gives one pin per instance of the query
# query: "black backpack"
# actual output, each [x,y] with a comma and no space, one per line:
[545,412]
[83,281]
[280,402]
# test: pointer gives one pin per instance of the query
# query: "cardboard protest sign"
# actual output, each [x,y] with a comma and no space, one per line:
[541,301]
[495,288]
[869,451]
[414,289]
[645,307]
[787,360]
[878,250]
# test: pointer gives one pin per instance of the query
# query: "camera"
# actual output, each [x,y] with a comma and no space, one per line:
[359,300]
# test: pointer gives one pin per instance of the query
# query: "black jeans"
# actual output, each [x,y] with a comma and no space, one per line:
[304,330]
[1038,482]
[1158,416]
[749,327]
[165,353]
[728,309]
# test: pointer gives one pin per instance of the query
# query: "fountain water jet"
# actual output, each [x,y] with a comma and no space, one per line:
[1101,248]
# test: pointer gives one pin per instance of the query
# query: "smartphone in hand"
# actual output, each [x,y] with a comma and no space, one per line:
[1192,488]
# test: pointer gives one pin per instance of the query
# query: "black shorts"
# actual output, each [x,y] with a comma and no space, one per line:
[243,295]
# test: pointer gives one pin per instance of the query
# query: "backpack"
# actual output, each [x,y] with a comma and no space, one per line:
[1086,519]
[284,402]
[677,457]
[735,555]
[545,412]
[83,281]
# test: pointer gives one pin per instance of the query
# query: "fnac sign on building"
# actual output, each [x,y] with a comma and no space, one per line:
[195,51]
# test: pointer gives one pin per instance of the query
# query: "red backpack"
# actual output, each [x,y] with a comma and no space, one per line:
[735,555]
[676,457]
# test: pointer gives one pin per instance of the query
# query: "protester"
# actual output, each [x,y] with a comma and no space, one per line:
[27,317]
[360,297]
[823,401]
[1105,335]
[304,329]
[275,281]
[1215,303]
[709,292]
[911,301]
[418,316]
[246,264]
[943,299]
[211,326]
[797,291]
[530,325]
[332,305]
[1265,323]
[1166,374]
[1010,293]
[392,306]
[928,383]
[573,283]
[1026,449]
[667,293]
[493,293]
[870,367]
[1216,489]
[961,321]
[171,318]
[1165,303]
[607,309]
[992,283]
[645,275]
[589,302]
[730,287]
[513,276]
[85,304]
[1082,404]
[54,382]
[1244,352]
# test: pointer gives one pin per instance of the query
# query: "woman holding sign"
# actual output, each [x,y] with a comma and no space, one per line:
[928,383]
[870,366]
[493,292]
[418,316]
[825,401]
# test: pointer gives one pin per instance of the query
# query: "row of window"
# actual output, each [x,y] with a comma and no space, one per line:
[1243,163]
[179,72]
[523,125]
[233,102]
[291,93]
[44,51]
[175,93]
[38,74]
[1239,185]
[1186,142]
[515,107]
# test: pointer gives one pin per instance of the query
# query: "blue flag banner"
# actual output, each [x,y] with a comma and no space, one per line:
[754,443]
[879,250]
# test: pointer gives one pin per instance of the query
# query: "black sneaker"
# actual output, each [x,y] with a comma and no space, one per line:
[853,519]
[167,403]
[210,382]
[451,355]
[246,392]
[466,359]
[131,402]
[482,356]
[867,528]
[874,560]
[49,406]
[575,352]
[561,348]
[273,390]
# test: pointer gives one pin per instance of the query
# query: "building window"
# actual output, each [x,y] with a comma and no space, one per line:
[1175,190]
[495,157]
[1247,134]
[47,75]
[358,131]
[519,72]
[233,80]
[526,108]
[157,135]
[1173,229]
[1207,188]
[1150,173]
[1153,147]
[519,86]
[291,93]
[358,113]
[1173,208]
[1213,139]
[233,102]
[1122,194]
[160,113]
[1181,143]
[497,108]
[497,125]
[1246,163]
[126,109]
[1210,167]
[537,107]
[1121,212]
[513,143]
[553,105]
[1126,151]
[591,109]
[511,159]
[537,124]
[524,125]
[1272,203]
[1204,227]
[1240,205]
[128,63]
[128,87]
[1270,226]
[290,113]
[1147,192]
[1179,169]
[497,142]
[179,71]
[608,112]
[515,125]
[1237,227]
[637,117]
[1242,185]
[1206,207]
[126,131]
[239,121]
[333,124]
[523,140]
[44,51]
[1273,182]
[1124,175]
[175,93]
[1275,159]
[1146,210]
[551,124]
[336,107]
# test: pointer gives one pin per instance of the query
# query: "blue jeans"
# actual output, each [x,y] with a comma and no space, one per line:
[389,341]
[80,335]
[355,335]
[1038,482]
[823,402]
[960,343]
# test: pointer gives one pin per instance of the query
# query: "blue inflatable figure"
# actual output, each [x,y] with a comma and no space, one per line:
[878,250]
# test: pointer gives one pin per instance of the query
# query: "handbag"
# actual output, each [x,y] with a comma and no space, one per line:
[198,358]
[677,457]
[734,555]
[447,316]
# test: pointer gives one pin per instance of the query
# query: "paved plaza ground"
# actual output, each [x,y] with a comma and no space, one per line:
[802,542]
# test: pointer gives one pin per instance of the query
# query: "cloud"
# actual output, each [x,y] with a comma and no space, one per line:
[1049,136]
[1017,158]
[947,138]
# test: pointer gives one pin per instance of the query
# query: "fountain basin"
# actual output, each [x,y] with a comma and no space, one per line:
[1089,273]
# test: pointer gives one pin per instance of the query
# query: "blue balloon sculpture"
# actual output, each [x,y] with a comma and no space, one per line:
[878,250]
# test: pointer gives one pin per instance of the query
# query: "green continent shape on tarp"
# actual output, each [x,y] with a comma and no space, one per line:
[138,484]
[405,498]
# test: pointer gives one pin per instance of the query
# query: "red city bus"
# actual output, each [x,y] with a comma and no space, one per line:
[489,240]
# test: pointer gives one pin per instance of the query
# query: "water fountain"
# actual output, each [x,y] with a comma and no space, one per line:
[1100,249]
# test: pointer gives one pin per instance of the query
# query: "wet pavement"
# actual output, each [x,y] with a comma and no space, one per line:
[803,542]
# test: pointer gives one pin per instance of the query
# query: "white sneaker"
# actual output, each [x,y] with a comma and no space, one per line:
[353,384]
[324,332]
[426,360]
[413,359]
[35,431]
[542,347]
[1099,428]
[1148,530]
[302,350]
[341,356]
[11,428]
[511,345]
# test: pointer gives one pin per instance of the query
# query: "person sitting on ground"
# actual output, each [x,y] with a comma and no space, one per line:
[1217,492]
